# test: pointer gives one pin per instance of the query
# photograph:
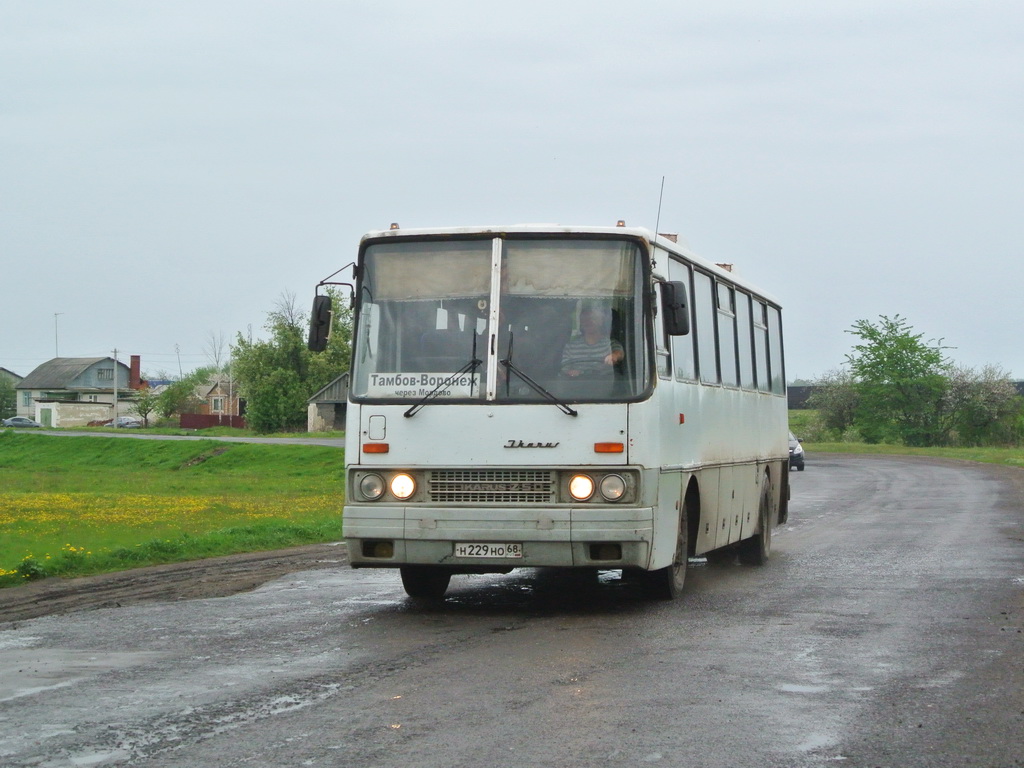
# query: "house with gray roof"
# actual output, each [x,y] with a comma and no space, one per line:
[326,409]
[72,391]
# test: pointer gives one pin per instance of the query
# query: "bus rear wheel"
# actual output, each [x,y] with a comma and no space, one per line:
[667,583]
[756,549]
[425,582]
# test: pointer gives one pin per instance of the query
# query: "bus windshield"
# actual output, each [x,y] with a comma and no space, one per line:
[501,320]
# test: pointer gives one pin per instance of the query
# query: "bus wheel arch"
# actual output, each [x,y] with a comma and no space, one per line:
[784,494]
[667,583]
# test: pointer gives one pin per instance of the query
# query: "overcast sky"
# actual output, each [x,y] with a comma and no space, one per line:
[169,170]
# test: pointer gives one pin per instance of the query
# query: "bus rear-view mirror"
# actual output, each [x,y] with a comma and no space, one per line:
[320,323]
[675,308]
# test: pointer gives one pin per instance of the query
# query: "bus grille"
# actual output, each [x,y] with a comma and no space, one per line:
[493,486]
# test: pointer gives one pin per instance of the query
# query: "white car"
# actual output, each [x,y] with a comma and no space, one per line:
[796,453]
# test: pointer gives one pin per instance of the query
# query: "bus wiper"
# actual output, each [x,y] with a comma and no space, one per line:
[539,389]
[470,368]
[532,384]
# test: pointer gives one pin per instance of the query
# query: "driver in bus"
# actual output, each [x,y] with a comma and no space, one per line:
[591,352]
[533,329]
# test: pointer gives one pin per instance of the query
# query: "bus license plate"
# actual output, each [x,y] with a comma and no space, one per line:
[474,549]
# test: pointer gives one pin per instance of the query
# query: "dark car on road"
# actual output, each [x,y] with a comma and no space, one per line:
[796,453]
[20,421]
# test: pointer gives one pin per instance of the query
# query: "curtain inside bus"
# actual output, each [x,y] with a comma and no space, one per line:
[425,313]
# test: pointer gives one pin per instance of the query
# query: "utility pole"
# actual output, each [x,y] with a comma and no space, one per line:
[114,422]
[231,403]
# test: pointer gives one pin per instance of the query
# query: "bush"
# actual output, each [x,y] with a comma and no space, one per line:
[31,569]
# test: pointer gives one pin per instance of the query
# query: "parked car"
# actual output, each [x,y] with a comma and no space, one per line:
[796,453]
[20,421]
[127,422]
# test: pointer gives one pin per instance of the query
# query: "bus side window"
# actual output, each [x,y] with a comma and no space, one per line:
[778,385]
[682,346]
[761,346]
[704,312]
[660,340]
[727,334]
[744,338]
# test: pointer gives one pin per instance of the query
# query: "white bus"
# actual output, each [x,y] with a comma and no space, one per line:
[547,396]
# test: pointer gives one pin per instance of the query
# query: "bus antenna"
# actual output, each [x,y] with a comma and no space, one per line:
[657,219]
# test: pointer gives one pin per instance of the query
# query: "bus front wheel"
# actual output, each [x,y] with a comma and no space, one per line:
[756,549]
[667,583]
[424,581]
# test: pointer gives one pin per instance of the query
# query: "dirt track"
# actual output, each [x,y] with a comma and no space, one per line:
[215,577]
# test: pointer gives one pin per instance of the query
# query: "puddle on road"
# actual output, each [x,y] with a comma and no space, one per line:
[815,741]
[794,688]
[30,671]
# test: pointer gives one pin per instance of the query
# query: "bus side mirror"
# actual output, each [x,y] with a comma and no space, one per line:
[320,324]
[675,308]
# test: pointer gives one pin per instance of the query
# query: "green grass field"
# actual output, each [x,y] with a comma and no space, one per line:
[155,429]
[1011,457]
[806,424]
[76,505]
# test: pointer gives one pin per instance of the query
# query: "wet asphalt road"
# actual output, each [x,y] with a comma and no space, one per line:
[885,631]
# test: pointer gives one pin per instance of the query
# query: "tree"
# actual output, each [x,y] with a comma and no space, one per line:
[276,402]
[270,372]
[901,382]
[146,402]
[279,374]
[984,407]
[8,397]
[836,399]
[214,349]
[180,396]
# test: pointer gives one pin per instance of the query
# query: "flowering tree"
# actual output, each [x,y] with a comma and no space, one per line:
[984,407]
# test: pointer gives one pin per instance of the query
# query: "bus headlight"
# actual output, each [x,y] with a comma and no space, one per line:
[371,486]
[613,487]
[403,486]
[581,487]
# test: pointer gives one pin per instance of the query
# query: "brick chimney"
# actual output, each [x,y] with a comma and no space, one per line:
[135,373]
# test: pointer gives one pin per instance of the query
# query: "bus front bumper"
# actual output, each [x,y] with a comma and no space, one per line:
[592,536]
